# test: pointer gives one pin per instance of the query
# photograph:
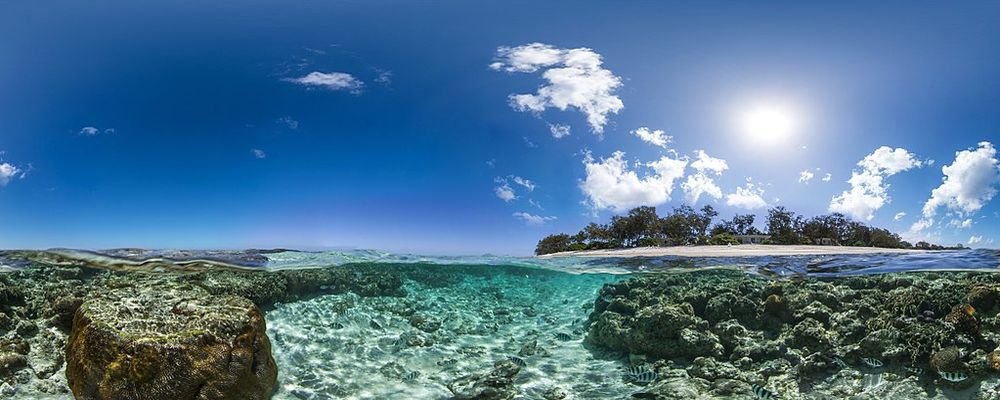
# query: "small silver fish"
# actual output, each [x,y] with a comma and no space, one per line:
[410,376]
[763,393]
[839,362]
[872,362]
[564,336]
[375,325]
[517,361]
[953,376]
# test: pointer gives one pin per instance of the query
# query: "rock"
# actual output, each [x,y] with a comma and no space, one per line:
[809,334]
[496,385]
[963,317]
[169,341]
[815,310]
[425,323]
[555,393]
[993,360]
[947,359]
[529,349]
[775,306]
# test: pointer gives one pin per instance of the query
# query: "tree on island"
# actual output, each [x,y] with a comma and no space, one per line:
[643,227]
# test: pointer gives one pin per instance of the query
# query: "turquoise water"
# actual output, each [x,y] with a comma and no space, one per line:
[588,328]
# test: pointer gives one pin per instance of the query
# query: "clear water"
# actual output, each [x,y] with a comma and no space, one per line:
[480,310]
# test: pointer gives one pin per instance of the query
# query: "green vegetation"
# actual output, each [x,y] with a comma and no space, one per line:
[643,227]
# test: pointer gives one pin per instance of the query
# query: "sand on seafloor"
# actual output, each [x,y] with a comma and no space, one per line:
[746,250]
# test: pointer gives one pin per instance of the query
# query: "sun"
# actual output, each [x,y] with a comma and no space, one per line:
[769,125]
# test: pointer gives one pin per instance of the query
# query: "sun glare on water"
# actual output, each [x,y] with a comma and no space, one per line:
[769,125]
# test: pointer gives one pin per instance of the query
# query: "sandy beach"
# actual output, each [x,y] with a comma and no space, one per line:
[729,251]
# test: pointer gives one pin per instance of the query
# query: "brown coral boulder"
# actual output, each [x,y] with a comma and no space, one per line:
[172,342]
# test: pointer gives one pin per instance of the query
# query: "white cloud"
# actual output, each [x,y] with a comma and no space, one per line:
[827,177]
[960,223]
[805,176]
[559,131]
[700,183]
[575,79]
[505,192]
[7,172]
[89,131]
[898,216]
[653,137]
[749,197]
[532,219]
[704,163]
[969,182]
[868,191]
[384,77]
[528,142]
[258,153]
[975,239]
[331,81]
[524,182]
[491,162]
[612,184]
[289,122]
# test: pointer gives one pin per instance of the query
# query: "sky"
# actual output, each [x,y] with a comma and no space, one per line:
[454,127]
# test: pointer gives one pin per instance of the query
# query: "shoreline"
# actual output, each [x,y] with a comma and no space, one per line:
[744,250]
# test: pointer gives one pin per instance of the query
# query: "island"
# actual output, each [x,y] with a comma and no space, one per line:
[688,232]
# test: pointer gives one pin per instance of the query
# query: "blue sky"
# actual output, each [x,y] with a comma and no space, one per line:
[399,125]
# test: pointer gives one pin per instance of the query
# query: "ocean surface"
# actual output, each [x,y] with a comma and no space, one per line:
[824,327]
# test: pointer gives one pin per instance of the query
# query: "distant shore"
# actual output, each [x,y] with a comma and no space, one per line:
[746,250]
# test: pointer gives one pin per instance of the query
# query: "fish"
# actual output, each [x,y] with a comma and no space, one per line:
[517,361]
[375,325]
[563,336]
[839,362]
[915,370]
[410,376]
[447,362]
[337,325]
[872,362]
[645,395]
[953,376]
[644,377]
[762,393]
[635,370]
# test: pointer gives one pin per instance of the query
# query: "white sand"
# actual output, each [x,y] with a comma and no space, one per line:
[746,250]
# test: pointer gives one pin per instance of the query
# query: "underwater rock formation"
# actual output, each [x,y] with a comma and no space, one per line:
[813,332]
[498,384]
[175,343]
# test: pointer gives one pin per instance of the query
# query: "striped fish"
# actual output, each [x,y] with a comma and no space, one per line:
[337,325]
[410,376]
[564,336]
[839,362]
[375,325]
[953,376]
[640,374]
[915,370]
[517,361]
[872,362]
[763,393]
[447,362]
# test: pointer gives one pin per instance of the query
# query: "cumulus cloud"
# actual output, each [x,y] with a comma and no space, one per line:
[559,131]
[575,78]
[868,191]
[975,239]
[383,77]
[532,219]
[805,176]
[700,183]
[749,197]
[898,216]
[504,191]
[827,177]
[653,137]
[7,172]
[330,81]
[258,153]
[612,184]
[969,182]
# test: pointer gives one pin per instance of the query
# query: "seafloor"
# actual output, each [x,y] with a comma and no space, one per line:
[429,331]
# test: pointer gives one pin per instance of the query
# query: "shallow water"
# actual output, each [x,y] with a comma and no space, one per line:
[461,317]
